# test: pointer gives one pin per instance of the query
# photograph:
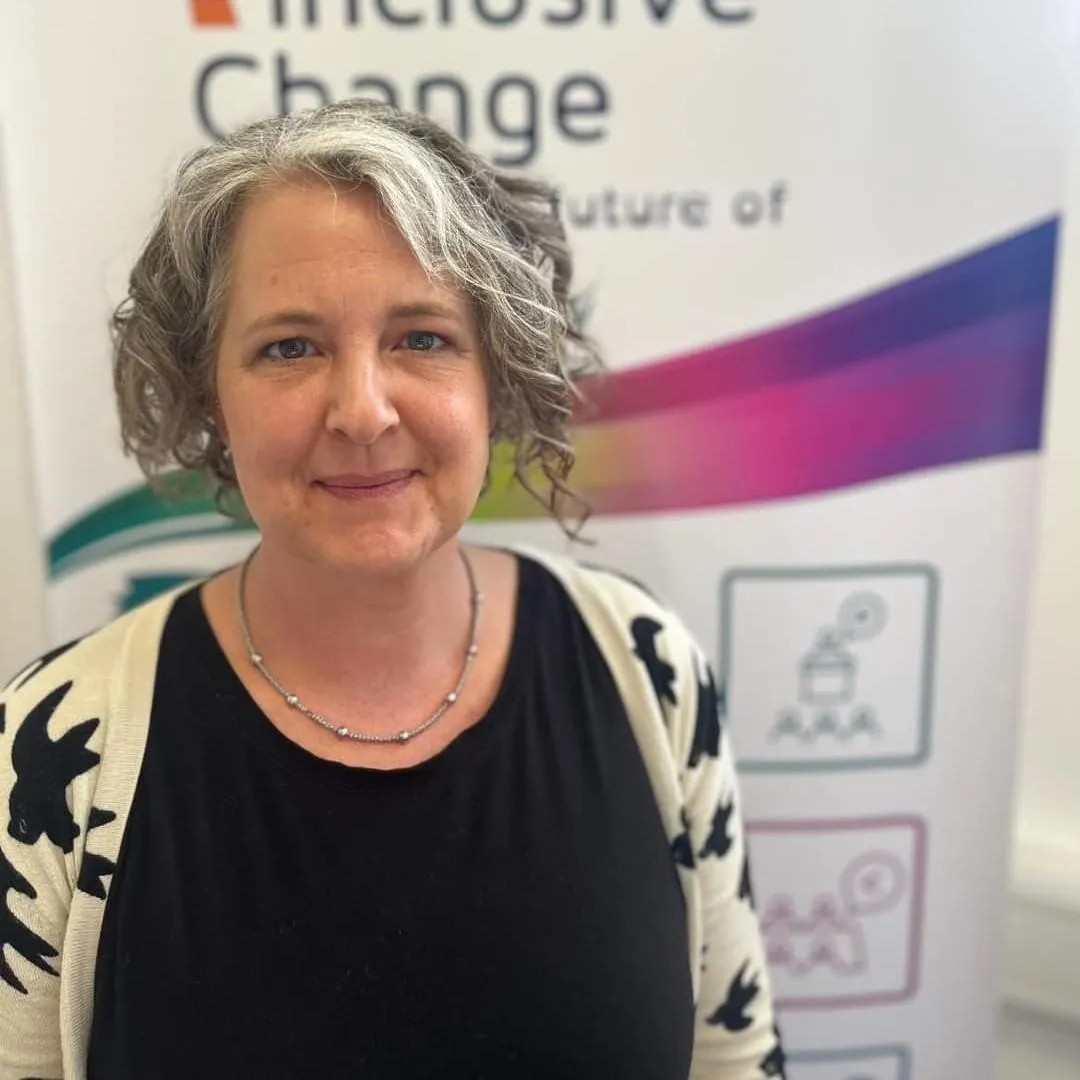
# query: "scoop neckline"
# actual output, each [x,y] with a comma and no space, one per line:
[253,724]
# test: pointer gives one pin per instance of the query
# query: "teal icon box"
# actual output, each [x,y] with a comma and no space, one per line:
[829,668]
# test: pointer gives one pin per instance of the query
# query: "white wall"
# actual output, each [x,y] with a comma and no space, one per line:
[1040,1022]
[1040,1033]
[1048,817]
[22,603]
[1033,1048]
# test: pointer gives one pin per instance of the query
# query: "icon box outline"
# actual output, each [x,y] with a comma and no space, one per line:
[825,573]
[855,1055]
[911,987]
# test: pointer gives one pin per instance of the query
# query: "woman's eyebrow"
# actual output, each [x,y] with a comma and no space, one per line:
[299,317]
[432,308]
[277,318]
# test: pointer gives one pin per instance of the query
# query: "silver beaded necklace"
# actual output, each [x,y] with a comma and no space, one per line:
[294,702]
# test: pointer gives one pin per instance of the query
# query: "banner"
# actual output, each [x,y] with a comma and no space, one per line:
[817,242]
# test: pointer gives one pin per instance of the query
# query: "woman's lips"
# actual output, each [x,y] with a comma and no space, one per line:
[353,486]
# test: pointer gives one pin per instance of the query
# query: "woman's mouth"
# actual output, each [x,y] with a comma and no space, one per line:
[357,486]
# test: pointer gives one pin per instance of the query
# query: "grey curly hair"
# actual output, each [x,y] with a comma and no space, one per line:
[494,235]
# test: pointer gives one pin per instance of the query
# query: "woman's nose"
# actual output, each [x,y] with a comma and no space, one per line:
[361,404]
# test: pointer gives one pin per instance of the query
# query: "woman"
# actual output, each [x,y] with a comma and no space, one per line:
[375,803]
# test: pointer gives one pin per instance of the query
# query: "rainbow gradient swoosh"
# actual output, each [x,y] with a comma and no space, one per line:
[945,367]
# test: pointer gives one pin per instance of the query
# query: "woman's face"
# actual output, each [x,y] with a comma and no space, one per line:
[351,387]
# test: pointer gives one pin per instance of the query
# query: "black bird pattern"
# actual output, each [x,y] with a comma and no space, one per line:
[746,887]
[774,1061]
[682,847]
[707,723]
[95,867]
[43,770]
[644,631]
[732,1013]
[720,840]
[91,871]
[99,818]
[14,933]
[736,1012]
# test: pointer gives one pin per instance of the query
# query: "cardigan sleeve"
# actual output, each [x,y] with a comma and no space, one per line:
[45,745]
[735,1036]
[678,718]
[73,727]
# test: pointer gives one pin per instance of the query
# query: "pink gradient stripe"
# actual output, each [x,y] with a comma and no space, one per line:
[1003,277]
[931,404]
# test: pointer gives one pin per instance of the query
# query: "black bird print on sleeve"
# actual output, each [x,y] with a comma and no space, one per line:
[732,1014]
[682,847]
[774,1061]
[720,839]
[661,674]
[95,867]
[14,933]
[746,888]
[99,818]
[43,770]
[707,724]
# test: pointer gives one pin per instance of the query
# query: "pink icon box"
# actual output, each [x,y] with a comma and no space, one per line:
[841,905]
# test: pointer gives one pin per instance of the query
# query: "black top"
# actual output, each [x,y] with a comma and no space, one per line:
[506,910]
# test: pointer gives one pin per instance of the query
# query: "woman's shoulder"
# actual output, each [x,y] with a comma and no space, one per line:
[661,672]
[645,642]
[64,714]
[612,593]
[92,667]
[61,718]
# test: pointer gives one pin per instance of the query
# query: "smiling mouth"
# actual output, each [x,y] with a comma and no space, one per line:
[364,487]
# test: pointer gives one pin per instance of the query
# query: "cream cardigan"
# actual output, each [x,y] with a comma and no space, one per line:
[73,727]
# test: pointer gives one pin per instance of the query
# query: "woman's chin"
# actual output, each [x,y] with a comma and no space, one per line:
[383,549]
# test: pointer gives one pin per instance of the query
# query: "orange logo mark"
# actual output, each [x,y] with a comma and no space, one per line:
[213,13]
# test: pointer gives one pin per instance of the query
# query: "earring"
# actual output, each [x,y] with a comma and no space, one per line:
[227,454]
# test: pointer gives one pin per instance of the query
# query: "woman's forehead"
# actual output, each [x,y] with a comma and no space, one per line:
[312,241]
[298,221]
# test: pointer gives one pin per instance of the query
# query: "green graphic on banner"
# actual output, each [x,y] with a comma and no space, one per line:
[144,587]
[139,518]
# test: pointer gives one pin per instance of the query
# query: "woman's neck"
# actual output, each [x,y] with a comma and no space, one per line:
[357,635]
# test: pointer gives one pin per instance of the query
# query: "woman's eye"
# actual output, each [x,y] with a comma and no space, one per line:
[423,341]
[293,348]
